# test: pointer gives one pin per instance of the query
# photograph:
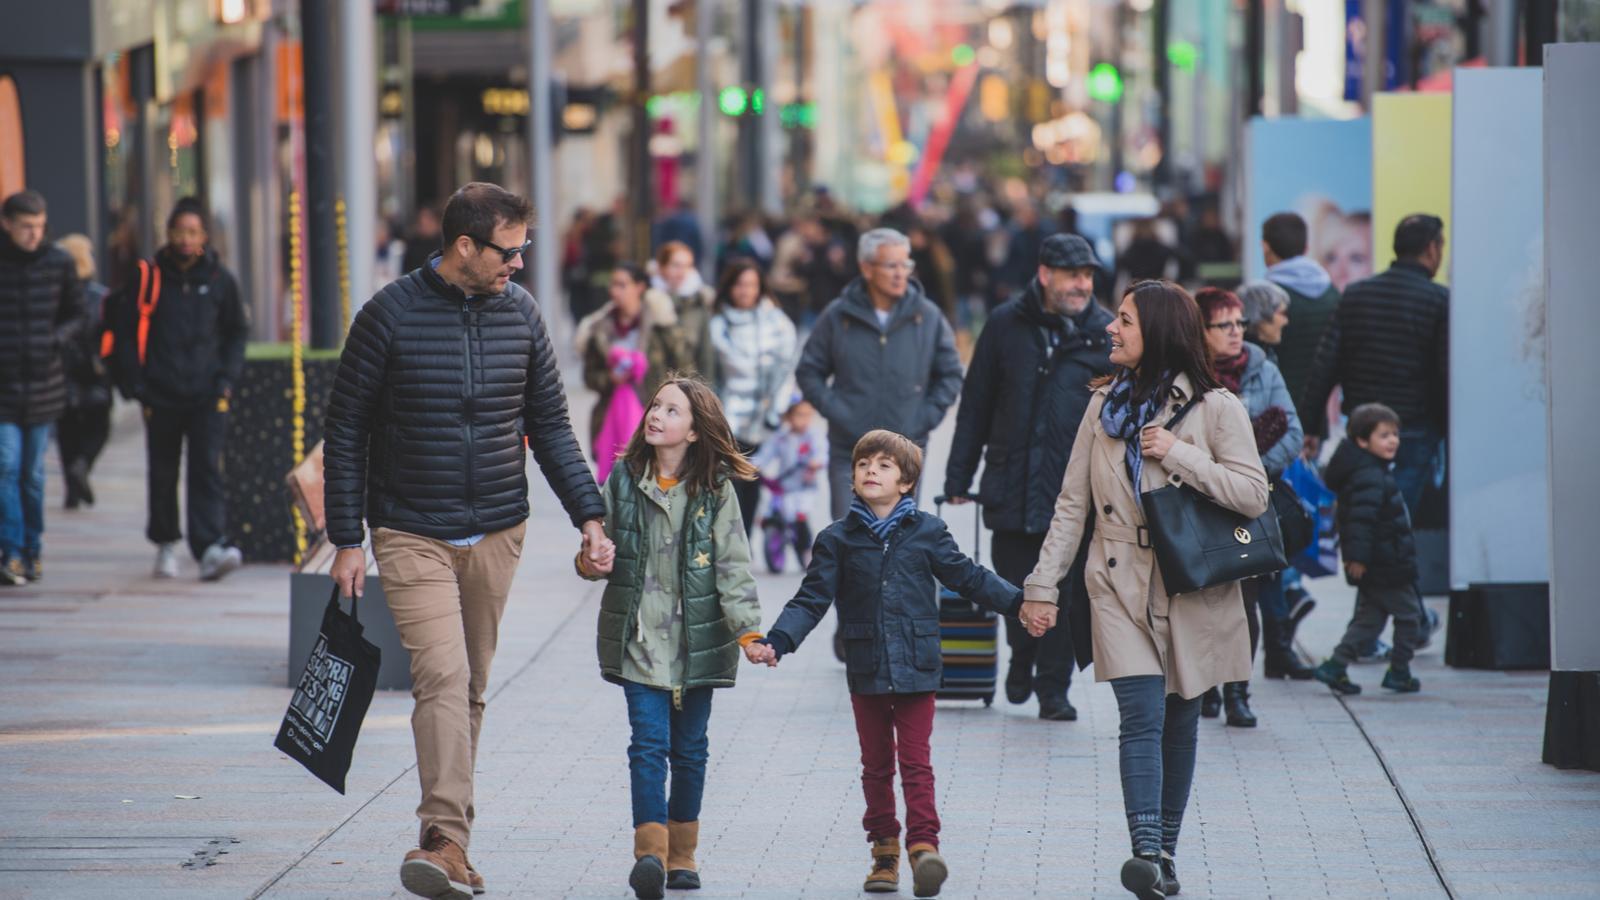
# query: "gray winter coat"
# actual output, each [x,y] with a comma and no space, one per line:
[1261,387]
[861,375]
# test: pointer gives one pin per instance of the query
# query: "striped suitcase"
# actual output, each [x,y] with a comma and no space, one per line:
[968,636]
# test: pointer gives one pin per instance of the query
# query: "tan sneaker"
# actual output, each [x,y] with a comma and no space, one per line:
[928,870]
[885,875]
[438,869]
[475,880]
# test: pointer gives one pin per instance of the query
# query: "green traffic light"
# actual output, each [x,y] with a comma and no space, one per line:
[1105,83]
[732,100]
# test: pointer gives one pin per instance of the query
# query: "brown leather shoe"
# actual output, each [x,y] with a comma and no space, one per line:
[928,870]
[885,875]
[438,869]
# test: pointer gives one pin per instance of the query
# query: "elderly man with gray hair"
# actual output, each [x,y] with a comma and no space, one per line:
[880,356]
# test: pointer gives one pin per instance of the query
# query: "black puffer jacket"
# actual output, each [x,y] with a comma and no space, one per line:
[195,349]
[888,598]
[41,311]
[1388,343]
[1024,401]
[1374,525]
[434,394]
[88,381]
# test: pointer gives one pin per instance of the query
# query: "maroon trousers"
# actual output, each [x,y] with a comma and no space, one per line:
[893,726]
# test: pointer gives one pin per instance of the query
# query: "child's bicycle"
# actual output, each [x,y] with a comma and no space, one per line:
[784,529]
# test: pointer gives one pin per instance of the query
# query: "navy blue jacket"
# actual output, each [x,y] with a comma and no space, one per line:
[888,599]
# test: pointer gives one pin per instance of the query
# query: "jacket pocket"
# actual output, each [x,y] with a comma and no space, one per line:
[926,651]
[860,647]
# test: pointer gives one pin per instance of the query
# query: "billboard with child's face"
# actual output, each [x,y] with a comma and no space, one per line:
[1322,170]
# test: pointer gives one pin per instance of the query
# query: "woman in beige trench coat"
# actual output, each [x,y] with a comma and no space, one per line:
[1160,652]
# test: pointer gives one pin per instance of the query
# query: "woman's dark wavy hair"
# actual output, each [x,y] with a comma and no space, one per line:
[711,459]
[730,277]
[1174,340]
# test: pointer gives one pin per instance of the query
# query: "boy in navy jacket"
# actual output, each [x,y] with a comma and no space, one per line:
[880,564]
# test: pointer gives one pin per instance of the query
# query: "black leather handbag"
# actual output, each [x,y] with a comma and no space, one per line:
[1199,544]
[1294,518]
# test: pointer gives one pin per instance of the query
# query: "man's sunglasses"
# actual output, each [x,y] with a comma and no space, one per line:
[507,254]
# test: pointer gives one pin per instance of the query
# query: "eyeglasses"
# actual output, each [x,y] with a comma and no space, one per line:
[907,266]
[1235,325]
[507,254]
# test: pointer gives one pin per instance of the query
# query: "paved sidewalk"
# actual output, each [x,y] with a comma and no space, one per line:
[120,694]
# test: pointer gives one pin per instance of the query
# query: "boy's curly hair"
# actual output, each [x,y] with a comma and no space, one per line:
[904,451]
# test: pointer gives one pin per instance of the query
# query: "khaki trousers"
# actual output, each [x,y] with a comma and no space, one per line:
[447,602]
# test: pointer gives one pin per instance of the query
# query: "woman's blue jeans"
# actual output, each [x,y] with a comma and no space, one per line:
[1158,740]
[667,739]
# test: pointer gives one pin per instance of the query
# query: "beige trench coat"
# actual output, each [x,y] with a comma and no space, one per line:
[1196,640]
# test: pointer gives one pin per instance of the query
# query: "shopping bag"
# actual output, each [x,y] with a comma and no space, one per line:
[1321,556]
[319,729]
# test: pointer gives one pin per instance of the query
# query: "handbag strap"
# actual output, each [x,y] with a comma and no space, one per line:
[333,601]
[1183,411]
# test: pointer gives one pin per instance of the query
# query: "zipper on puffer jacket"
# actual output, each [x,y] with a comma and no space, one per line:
[468,404]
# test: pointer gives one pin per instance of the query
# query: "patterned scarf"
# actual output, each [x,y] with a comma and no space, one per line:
[1230,371]
[882,527]
[1123,421]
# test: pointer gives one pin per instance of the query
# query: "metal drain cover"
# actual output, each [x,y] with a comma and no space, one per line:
[79,853]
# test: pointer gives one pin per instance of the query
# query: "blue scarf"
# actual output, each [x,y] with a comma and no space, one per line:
[882,527]
[1122,420]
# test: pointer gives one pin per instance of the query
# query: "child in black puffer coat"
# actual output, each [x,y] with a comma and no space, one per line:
[1380,554]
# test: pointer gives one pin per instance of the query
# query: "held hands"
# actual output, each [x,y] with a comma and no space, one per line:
[1038,616]
[1311,448]
[1155,442]
[759,653]
[598,554]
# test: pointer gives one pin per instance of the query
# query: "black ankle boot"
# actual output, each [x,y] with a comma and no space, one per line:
[1236,698]
[1211,704]
[1169,875]
[1141,875]
[1279,659]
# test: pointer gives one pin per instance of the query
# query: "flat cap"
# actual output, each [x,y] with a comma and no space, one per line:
[1067,251]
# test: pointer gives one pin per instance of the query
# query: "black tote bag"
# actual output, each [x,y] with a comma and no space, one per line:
[1199,544]
[324,718]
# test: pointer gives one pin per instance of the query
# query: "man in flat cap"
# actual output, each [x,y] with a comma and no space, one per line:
[1026,390]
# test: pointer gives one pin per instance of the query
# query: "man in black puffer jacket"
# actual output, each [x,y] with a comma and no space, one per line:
[1389,343]
[1380,555]
[41,311]
[1025,393]
[445,371]
[180,328]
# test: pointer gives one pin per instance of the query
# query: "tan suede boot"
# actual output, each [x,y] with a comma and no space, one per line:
[885,875]
[928,870]
[649,876]
[437,869]
[683,838]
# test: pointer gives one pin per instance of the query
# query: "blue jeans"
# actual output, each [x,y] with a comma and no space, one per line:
[1158,740]
[1418,464]
[22,488]
[663,737]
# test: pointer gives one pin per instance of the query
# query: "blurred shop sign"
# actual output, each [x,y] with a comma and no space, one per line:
[450,15]
[579,107]
[424,7]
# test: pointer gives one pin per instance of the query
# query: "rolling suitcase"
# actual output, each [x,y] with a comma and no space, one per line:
[968,635]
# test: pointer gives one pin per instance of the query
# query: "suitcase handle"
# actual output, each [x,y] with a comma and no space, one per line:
[977,521]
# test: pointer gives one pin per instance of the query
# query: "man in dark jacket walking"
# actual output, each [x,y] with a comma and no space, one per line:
[179,349]
[41,311]
[1312,300]
[445,371]
[1389,343]
[1024,396]
[881,356]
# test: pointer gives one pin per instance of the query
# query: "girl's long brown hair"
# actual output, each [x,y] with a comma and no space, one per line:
[709,460]
[1174,340]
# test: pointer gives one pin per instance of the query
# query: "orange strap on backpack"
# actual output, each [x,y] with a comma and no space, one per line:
[149,295]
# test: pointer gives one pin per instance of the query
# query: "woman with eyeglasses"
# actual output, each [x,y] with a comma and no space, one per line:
[1244,369]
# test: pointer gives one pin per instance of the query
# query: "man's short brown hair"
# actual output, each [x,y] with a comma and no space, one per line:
[904,451]
[478,208]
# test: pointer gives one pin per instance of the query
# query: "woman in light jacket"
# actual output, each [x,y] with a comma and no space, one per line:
[754,345]
[1159,652]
